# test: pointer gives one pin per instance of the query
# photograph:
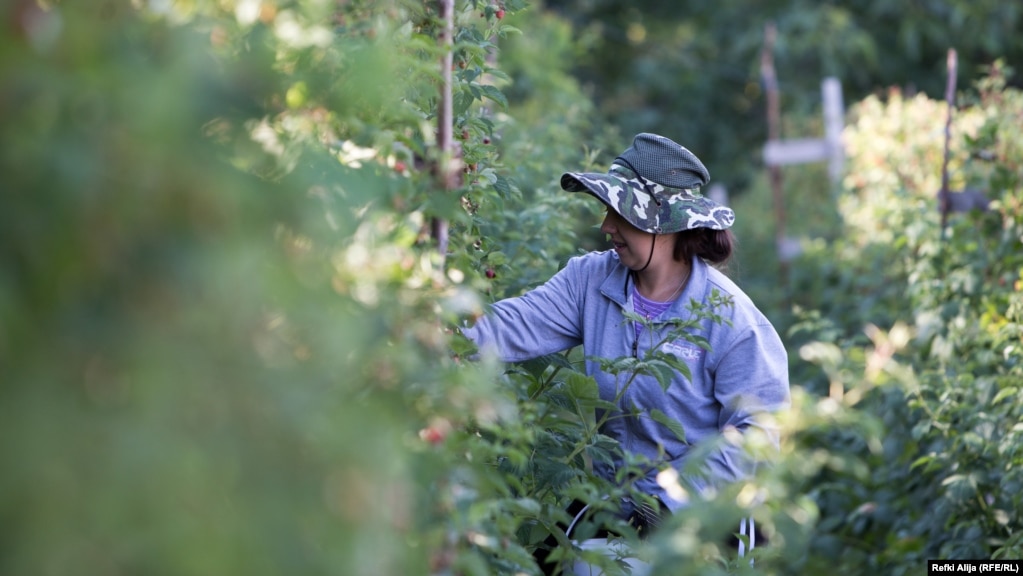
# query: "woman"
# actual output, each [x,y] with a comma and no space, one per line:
[667,239]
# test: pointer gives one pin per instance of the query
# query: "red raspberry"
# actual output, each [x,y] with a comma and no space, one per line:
[432,434]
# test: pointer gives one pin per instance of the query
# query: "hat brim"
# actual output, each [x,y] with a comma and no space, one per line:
[649,206]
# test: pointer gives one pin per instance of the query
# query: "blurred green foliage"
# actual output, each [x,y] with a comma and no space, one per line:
[942,479]
[692,69]
[194,380]
[226,340]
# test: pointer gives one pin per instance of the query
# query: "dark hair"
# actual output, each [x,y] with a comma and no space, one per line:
[714,246]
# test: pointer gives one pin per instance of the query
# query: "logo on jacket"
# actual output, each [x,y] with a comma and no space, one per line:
[683,349]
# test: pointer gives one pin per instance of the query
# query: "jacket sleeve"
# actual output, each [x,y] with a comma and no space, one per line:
[544,320]
[751,379]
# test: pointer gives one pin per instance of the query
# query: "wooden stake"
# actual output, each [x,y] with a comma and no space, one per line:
[447,173]
[950,95]
[770,81]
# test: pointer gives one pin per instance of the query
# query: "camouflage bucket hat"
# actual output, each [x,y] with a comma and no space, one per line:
[655,185]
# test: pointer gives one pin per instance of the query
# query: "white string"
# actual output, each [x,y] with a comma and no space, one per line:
[751,533]
[578,516]
[742,532]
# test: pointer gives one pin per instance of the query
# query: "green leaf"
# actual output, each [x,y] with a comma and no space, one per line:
[600,454]
[461,101]
[524,506]
[498,74]
[920,429]
[536,367]
[626,364]
[674,362]
[1009,392]
[505,30]
[922,461]
[582,387]
[674,425]
[497,258]
[503,185]
[663,372]
[462,346]
[954,478]
[605,405]
[496,95]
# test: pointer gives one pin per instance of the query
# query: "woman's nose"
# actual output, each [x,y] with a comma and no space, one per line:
[608,225]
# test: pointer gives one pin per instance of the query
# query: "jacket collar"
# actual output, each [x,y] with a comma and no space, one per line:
[618,284]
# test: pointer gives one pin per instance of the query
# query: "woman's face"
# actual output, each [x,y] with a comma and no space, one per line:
[631,243]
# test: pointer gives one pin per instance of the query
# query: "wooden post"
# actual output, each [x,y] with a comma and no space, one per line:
[831,93]
[447,173]
[770,82]
[829,148]
[950,95]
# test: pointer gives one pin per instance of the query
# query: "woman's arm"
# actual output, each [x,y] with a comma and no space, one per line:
[544,320]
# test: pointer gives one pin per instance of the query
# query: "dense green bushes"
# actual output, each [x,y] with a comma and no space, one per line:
[206,371]
[225,344]
[943,483]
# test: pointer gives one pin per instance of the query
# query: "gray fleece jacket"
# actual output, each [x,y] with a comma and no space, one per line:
[744,373]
